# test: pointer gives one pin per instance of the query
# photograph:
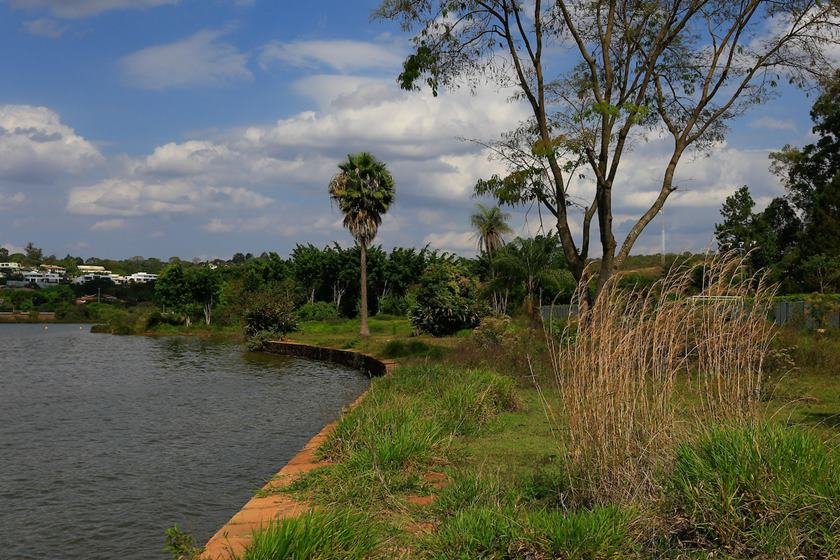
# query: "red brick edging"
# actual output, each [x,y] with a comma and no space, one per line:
[232,539]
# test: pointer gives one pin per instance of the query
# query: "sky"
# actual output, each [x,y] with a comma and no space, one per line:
[201,128]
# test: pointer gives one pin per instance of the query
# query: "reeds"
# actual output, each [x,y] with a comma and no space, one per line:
[616,367]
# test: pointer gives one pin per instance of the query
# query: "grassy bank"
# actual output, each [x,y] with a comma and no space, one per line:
[454,456]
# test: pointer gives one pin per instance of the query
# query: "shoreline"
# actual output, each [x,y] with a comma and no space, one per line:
[234,536]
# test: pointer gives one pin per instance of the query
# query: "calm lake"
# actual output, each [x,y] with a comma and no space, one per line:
[106,441]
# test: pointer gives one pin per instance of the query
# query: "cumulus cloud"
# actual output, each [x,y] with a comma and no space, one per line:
[336,54]
[199,60]
[72,9]
[136,197]
[37,147]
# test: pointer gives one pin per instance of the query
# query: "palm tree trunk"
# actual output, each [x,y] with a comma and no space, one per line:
[364,330]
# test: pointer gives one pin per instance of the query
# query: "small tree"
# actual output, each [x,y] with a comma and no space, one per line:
[446,300]
[172,290]
[203,284]
[363,190]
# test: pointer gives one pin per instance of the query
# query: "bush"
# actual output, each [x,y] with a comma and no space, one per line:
[317,311]
[394,305]
[403,349]
[270,314]
[492,332]
[770,492]
[336,535]
[446,301]
[156,318]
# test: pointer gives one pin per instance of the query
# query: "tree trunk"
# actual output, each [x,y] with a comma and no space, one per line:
[208,309]
[363,312]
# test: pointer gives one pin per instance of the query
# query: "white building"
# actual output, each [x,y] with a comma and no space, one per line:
[10,266]
[91,276]
[42,279]
[88,268]
[141,277]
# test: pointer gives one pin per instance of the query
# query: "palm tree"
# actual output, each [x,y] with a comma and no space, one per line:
[363,189]
[490,226]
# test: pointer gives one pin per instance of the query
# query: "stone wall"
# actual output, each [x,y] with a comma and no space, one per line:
[374,367]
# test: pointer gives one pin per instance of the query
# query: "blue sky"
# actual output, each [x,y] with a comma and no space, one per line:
[200,128]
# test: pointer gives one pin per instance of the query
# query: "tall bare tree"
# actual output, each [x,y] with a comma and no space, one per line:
[600,74]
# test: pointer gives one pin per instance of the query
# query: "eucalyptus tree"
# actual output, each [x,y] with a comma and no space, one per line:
[599,76]
[363,189]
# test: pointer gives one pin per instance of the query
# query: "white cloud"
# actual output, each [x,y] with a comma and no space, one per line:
[37,147]
[109,225]
[461,242]
[198,60]
[14,199]
[337,54]
[136,197]
[217,226]
[71,9]
[45,27]
[773,124]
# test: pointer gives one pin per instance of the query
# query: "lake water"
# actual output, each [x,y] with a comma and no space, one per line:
[106,441]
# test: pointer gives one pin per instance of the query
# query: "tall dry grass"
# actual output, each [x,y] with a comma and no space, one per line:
[617,365]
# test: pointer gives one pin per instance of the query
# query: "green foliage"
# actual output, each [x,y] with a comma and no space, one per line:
[405,348]
[404,424]
[180,544]
[396,306]
[446,301]
[507,532]
[317,311]
[765,491]
[363,190]
[270,314]
[331,535]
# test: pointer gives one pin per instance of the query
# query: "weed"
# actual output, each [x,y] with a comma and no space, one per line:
[765,491]
[180,544]
[336,535]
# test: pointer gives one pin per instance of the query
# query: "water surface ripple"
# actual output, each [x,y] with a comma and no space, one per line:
[105,441]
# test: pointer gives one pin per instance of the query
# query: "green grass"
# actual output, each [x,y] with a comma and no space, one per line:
[390,337]
[765,491]
[730,494]
[403,428]
[508,532]
[333,535]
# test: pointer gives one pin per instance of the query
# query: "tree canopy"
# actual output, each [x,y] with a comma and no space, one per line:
[686,67]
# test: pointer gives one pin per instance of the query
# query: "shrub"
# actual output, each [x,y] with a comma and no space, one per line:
[334,535]
[270,314]
[492,332]
[156,318]
[317,311]
[405,348]
[394,305]
[180,544]
[765,491]
[445,301]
